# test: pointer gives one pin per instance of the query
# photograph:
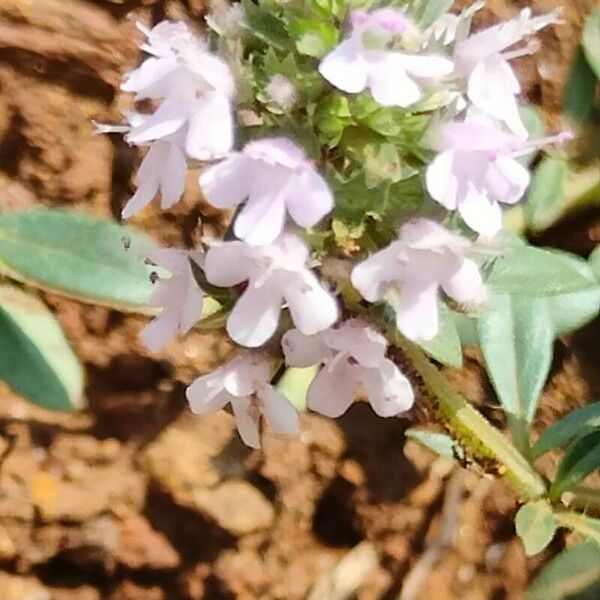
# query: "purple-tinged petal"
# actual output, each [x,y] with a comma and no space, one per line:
[333,390]
[303,350]
[372,276]
[390,392]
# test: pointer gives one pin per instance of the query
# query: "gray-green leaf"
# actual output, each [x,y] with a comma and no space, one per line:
[517,342]
[546,198]
[536,526]
[77,255]
[569,573]
[574,425]
[35,357]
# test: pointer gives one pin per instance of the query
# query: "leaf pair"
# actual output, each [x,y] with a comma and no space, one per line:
[76,255]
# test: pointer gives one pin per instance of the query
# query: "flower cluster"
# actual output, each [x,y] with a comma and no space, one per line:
[333,123]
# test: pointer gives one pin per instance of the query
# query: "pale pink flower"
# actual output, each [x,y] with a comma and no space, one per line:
[483,59]
[196,87]
[276,274]
[476,169]
[179,297]
[276,177]
[363,60]
[163,169]
[409,272]
[244,382]
[354,359]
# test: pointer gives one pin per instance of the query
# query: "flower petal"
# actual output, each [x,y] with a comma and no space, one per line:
[226,184]
[227,264]
[389,391]
[159,332]
[246,421]
[392,90]
[206,394]
[507,180]
[465,285]
[431,66]
[371,276]
[332,391]
[173,177]
[303,350]
[481,214]
[150,79]
[255,315]
[169,117]
[441,180]
[278,411]
[261,220]
[312,307]
[309,199]
[210,134]
[345,68]
[417,312]
[492,88]
[148,181]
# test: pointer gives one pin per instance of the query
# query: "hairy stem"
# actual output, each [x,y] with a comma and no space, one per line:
[483,441]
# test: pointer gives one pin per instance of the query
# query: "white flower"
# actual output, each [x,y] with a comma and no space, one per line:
[362,60]
[281,92]
[354,357]
[475,170]
[492,86]
[245,383]
[276,176]
[196,87]
[180,297]
[276,273]
[409,272]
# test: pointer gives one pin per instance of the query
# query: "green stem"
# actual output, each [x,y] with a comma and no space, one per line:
[483,441]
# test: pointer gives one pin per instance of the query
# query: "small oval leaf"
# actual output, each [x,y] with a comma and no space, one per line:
[440,443]
[77,255]
[35,357]
[536,526]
